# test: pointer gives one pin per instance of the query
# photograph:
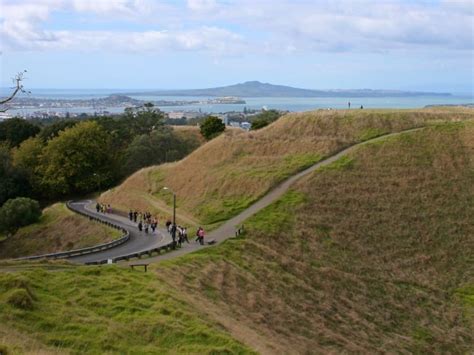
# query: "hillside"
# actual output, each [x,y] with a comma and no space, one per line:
[372,254]
[224,176]
[101,310]
[258,89]
[57,230]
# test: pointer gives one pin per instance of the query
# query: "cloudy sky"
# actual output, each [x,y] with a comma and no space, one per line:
[399,44]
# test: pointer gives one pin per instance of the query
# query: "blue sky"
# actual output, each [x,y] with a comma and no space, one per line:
[143,44]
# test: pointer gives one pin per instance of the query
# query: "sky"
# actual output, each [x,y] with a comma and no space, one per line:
[147,44]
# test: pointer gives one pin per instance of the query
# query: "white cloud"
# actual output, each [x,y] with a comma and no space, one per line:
[204,25]
[202,5]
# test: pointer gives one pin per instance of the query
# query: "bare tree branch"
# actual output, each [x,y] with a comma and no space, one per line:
[18,88]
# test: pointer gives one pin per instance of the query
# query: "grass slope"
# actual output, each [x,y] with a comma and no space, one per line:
[374,253]
[98,310]
[225,176]
[58,230]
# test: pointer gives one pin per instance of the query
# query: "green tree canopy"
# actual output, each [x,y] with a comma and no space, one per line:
[52,130]
[160,146]
[143,120]
[19,212]
[16,130]
[26,159]
[211,127]
[77,161]
[265,118]
[12,183]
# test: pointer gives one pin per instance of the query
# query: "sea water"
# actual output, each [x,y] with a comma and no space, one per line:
[257,103]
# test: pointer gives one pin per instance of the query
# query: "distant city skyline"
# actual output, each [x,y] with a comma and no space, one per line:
[147,44]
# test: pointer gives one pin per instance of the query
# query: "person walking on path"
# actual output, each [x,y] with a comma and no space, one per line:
[173,233]
[97,207]
[153,225]
[200,235]
[130,215]
[185,235]
[140,226]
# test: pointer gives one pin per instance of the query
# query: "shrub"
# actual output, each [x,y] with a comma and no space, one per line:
[265,118]
[20,298]
[212,127]
[19,212]
[4,350]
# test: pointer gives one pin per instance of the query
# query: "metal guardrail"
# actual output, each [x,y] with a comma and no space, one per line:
[148,252]
[88,250]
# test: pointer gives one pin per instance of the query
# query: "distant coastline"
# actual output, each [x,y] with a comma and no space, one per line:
[258,89]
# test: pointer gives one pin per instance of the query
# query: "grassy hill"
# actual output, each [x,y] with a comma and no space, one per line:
[374,253]
[226,175]
[58,230]
[99,310]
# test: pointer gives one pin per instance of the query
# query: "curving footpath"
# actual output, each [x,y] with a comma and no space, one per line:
[138,244]
[141,244]
[229,228]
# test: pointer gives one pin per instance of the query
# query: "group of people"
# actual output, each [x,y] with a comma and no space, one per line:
[179,234]
[103,208]
[145,220]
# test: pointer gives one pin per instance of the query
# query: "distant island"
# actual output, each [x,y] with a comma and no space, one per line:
[114,101]
[258,89]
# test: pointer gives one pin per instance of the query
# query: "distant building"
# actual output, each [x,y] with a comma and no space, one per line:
[5,116]
[246,125]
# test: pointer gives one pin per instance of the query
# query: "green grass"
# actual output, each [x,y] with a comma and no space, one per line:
[107,310]
[232,171]
[58,229]
[366,255]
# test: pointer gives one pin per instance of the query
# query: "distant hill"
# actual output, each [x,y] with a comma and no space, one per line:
[258,89]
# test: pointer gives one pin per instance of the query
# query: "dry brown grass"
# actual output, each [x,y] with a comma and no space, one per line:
[58,230]
[363,257]
[226,175]
[21,343]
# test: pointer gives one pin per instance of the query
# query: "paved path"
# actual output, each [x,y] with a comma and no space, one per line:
[227,230]
[139,241]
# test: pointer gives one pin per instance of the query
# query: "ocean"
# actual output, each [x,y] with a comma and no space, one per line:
[279,103]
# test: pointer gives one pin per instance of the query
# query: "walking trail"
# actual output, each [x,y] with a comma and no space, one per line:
[228,229]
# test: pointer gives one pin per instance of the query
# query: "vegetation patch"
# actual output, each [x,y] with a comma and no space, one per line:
[58,229]
[371,254]
[110,310]
[243,166]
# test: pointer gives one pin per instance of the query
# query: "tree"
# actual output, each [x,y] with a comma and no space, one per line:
[78,160]
[19,212]
[144,119]
[16,130]
[265,118]
[18,80]
[158,147]
[52,130]
[12,183]
[26,159]
[211,127]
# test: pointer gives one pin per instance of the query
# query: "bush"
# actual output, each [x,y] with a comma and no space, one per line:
[4,350]
[211,127]
[20,298]
[265,118]
[19,212]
